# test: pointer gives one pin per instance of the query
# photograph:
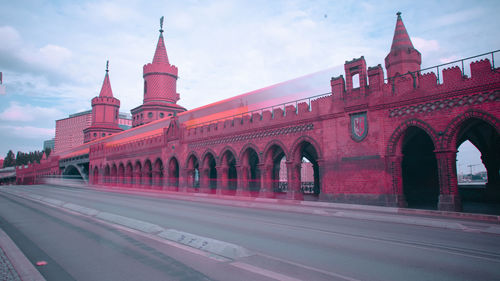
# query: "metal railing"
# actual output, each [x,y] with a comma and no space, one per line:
[459,63]
[261,110]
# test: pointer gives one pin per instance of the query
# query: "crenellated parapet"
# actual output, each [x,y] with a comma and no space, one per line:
[110,101]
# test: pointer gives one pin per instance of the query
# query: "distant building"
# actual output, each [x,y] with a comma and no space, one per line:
[2,87]
[69,131]
[49,144]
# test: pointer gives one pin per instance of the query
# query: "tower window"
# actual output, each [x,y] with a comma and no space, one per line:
[145,86]
[162,114]
[150,115]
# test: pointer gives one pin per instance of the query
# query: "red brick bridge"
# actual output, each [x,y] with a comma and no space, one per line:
[390,142]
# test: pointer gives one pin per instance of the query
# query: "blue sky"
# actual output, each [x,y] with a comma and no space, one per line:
[53,53]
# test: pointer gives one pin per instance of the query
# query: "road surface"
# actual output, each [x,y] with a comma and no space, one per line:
[272,243]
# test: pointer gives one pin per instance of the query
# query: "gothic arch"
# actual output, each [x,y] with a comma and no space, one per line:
[395,140]
[246,147]
[224,151]
[191,154]
[298,142]
[271,144]
[204,155]
[450,135]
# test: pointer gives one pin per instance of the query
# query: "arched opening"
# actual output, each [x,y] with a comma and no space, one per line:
[478,163]
[129,174]
[148,174]
[137,173]
[309,170]
[230,176]
[173,173]
[95,178]
[114,173]
[193,172]
[158,174]
[71,172]
[276,175]
[121,174]
[419,170]
[251,172]
[107,173]
[210,172]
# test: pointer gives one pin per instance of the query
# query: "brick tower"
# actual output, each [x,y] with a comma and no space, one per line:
[105,110]
[403,57]
[160,88]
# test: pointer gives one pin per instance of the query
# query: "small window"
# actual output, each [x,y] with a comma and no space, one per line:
[95,134]
[150,115]
[162,114]
[103,134]
[145,86]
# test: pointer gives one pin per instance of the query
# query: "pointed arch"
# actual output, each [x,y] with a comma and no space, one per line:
[305,155]
[121,173]
[225,150]
[147,173]
[173,172]
[451,133]
[246,147]
[395,140]
[158,173]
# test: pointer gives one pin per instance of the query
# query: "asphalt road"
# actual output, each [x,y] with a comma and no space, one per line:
[284,245]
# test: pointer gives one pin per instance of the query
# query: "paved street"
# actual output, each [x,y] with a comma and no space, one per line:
[311,243]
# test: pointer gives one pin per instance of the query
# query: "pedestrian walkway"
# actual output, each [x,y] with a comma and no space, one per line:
[14,266]
[7,271]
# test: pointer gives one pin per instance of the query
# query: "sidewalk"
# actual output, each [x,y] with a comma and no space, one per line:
[14,266]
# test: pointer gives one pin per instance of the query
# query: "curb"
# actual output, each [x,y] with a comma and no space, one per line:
[209,245]
[231,199]
[21,264]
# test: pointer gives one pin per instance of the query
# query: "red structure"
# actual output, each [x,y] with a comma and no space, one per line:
[160,88]
[105,113]
[390,142]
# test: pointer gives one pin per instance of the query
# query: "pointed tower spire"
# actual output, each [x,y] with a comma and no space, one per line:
[105,113]
[401,40]
[161,52]
[403,57]
[160,88]
[106,85]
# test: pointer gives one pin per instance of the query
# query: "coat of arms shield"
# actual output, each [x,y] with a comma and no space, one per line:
[359,126]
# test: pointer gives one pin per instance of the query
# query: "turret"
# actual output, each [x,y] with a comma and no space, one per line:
[105,113]
[403,57]
[160,87]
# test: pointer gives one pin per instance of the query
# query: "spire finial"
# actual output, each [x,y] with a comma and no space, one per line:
[107,66]
[398,14]
[161,24]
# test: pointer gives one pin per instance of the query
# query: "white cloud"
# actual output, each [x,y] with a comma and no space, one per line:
[29,132]
[448,59]
[9,37]
[26,113]
[425,46]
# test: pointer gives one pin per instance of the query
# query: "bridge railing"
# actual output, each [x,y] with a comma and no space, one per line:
[271,108]
[461,63]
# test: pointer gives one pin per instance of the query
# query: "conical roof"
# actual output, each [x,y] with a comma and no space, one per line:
[106,86]
[401,40]
[161,52]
